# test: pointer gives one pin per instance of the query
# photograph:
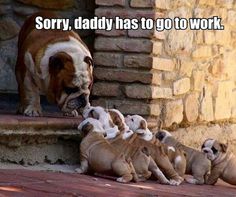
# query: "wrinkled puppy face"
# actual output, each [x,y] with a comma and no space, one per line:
[162,135]
[90,125]
[119,120]
[212,148]
[139,125]
[70,82]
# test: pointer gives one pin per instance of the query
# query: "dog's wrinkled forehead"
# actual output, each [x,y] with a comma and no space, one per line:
[208,143]
[136,122]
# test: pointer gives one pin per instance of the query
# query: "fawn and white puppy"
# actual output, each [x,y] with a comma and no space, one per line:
[223,162]
[197,163]
[176,156]
[97,153]
[143,164]
[156,151]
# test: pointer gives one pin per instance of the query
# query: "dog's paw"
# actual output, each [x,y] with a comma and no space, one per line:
[74,113]
[32,111]
[79,170]
[121,180]
[176,182]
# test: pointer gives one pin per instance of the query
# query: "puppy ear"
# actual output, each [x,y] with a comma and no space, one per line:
[89,61]
[143,124]
[224,147]
[87,128]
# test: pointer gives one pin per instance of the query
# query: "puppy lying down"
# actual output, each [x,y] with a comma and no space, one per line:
[176,156]
[223,162]
[96,153]
[160,158]
[197,163]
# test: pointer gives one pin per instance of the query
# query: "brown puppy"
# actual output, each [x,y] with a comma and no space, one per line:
[197,163]
[223,162]
[98,154]
[176,156]
[55,63]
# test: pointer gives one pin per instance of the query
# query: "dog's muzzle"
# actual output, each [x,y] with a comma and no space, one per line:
[77,103]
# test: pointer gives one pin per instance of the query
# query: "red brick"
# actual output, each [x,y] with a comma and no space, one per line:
[108,59]
[123,44]
[127,13]
[124,75]
[106,89]
[111,3]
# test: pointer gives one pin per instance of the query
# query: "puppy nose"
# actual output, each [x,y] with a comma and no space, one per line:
[205,151]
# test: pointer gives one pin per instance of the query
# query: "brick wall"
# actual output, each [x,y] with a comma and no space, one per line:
[181,77]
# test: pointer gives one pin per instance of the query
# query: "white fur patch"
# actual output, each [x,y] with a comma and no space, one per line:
[178,160]
[97,126]
[209,143]
[171,148]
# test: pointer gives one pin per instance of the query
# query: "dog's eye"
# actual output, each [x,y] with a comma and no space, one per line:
[214,150]
[69,90]
[132,119]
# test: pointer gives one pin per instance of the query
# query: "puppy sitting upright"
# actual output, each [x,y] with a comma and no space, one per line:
[98,154]
[55,63]
[197,163]
[176,156]
[223,162]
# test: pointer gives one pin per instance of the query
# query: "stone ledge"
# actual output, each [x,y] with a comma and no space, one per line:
[10,121]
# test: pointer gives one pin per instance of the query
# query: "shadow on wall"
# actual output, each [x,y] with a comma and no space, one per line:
[12,16]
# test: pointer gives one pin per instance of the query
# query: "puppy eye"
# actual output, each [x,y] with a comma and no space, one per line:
[214,150]
[69,90]
[132,119]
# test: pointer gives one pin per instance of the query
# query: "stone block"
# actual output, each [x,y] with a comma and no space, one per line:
[181,86]
[198,80]
[223,100]
[191,107]
[138,61]
[106,89]
[111,2]
[202,52]
[163,64]
[123,44]
[173,112]
[8,28]
[108,59]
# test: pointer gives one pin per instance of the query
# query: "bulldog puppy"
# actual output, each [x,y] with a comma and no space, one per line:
[176,156]
[197,163]
[100,114]
[55,63]
[142,162]
[223,162]
[156,150]
[96,153]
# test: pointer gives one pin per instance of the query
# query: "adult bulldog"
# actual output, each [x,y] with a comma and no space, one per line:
[55,63]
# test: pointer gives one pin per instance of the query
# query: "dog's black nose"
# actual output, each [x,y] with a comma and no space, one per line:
[77,103]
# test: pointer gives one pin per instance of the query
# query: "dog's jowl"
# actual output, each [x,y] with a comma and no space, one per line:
[55,63]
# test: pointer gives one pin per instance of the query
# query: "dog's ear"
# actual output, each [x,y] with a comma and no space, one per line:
[143,124]
[89,61]
[224,147]
[87,128]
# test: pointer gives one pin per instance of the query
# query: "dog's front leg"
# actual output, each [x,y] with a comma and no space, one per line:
[157,172]
[30,103]
[214,175]
[83,166]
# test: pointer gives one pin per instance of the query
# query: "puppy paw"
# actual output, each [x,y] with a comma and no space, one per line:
[32,111]
[121,180]
[79,170]
[176,182]
[192,180]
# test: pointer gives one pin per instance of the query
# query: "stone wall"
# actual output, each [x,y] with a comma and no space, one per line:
[12,15]
[180,77]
